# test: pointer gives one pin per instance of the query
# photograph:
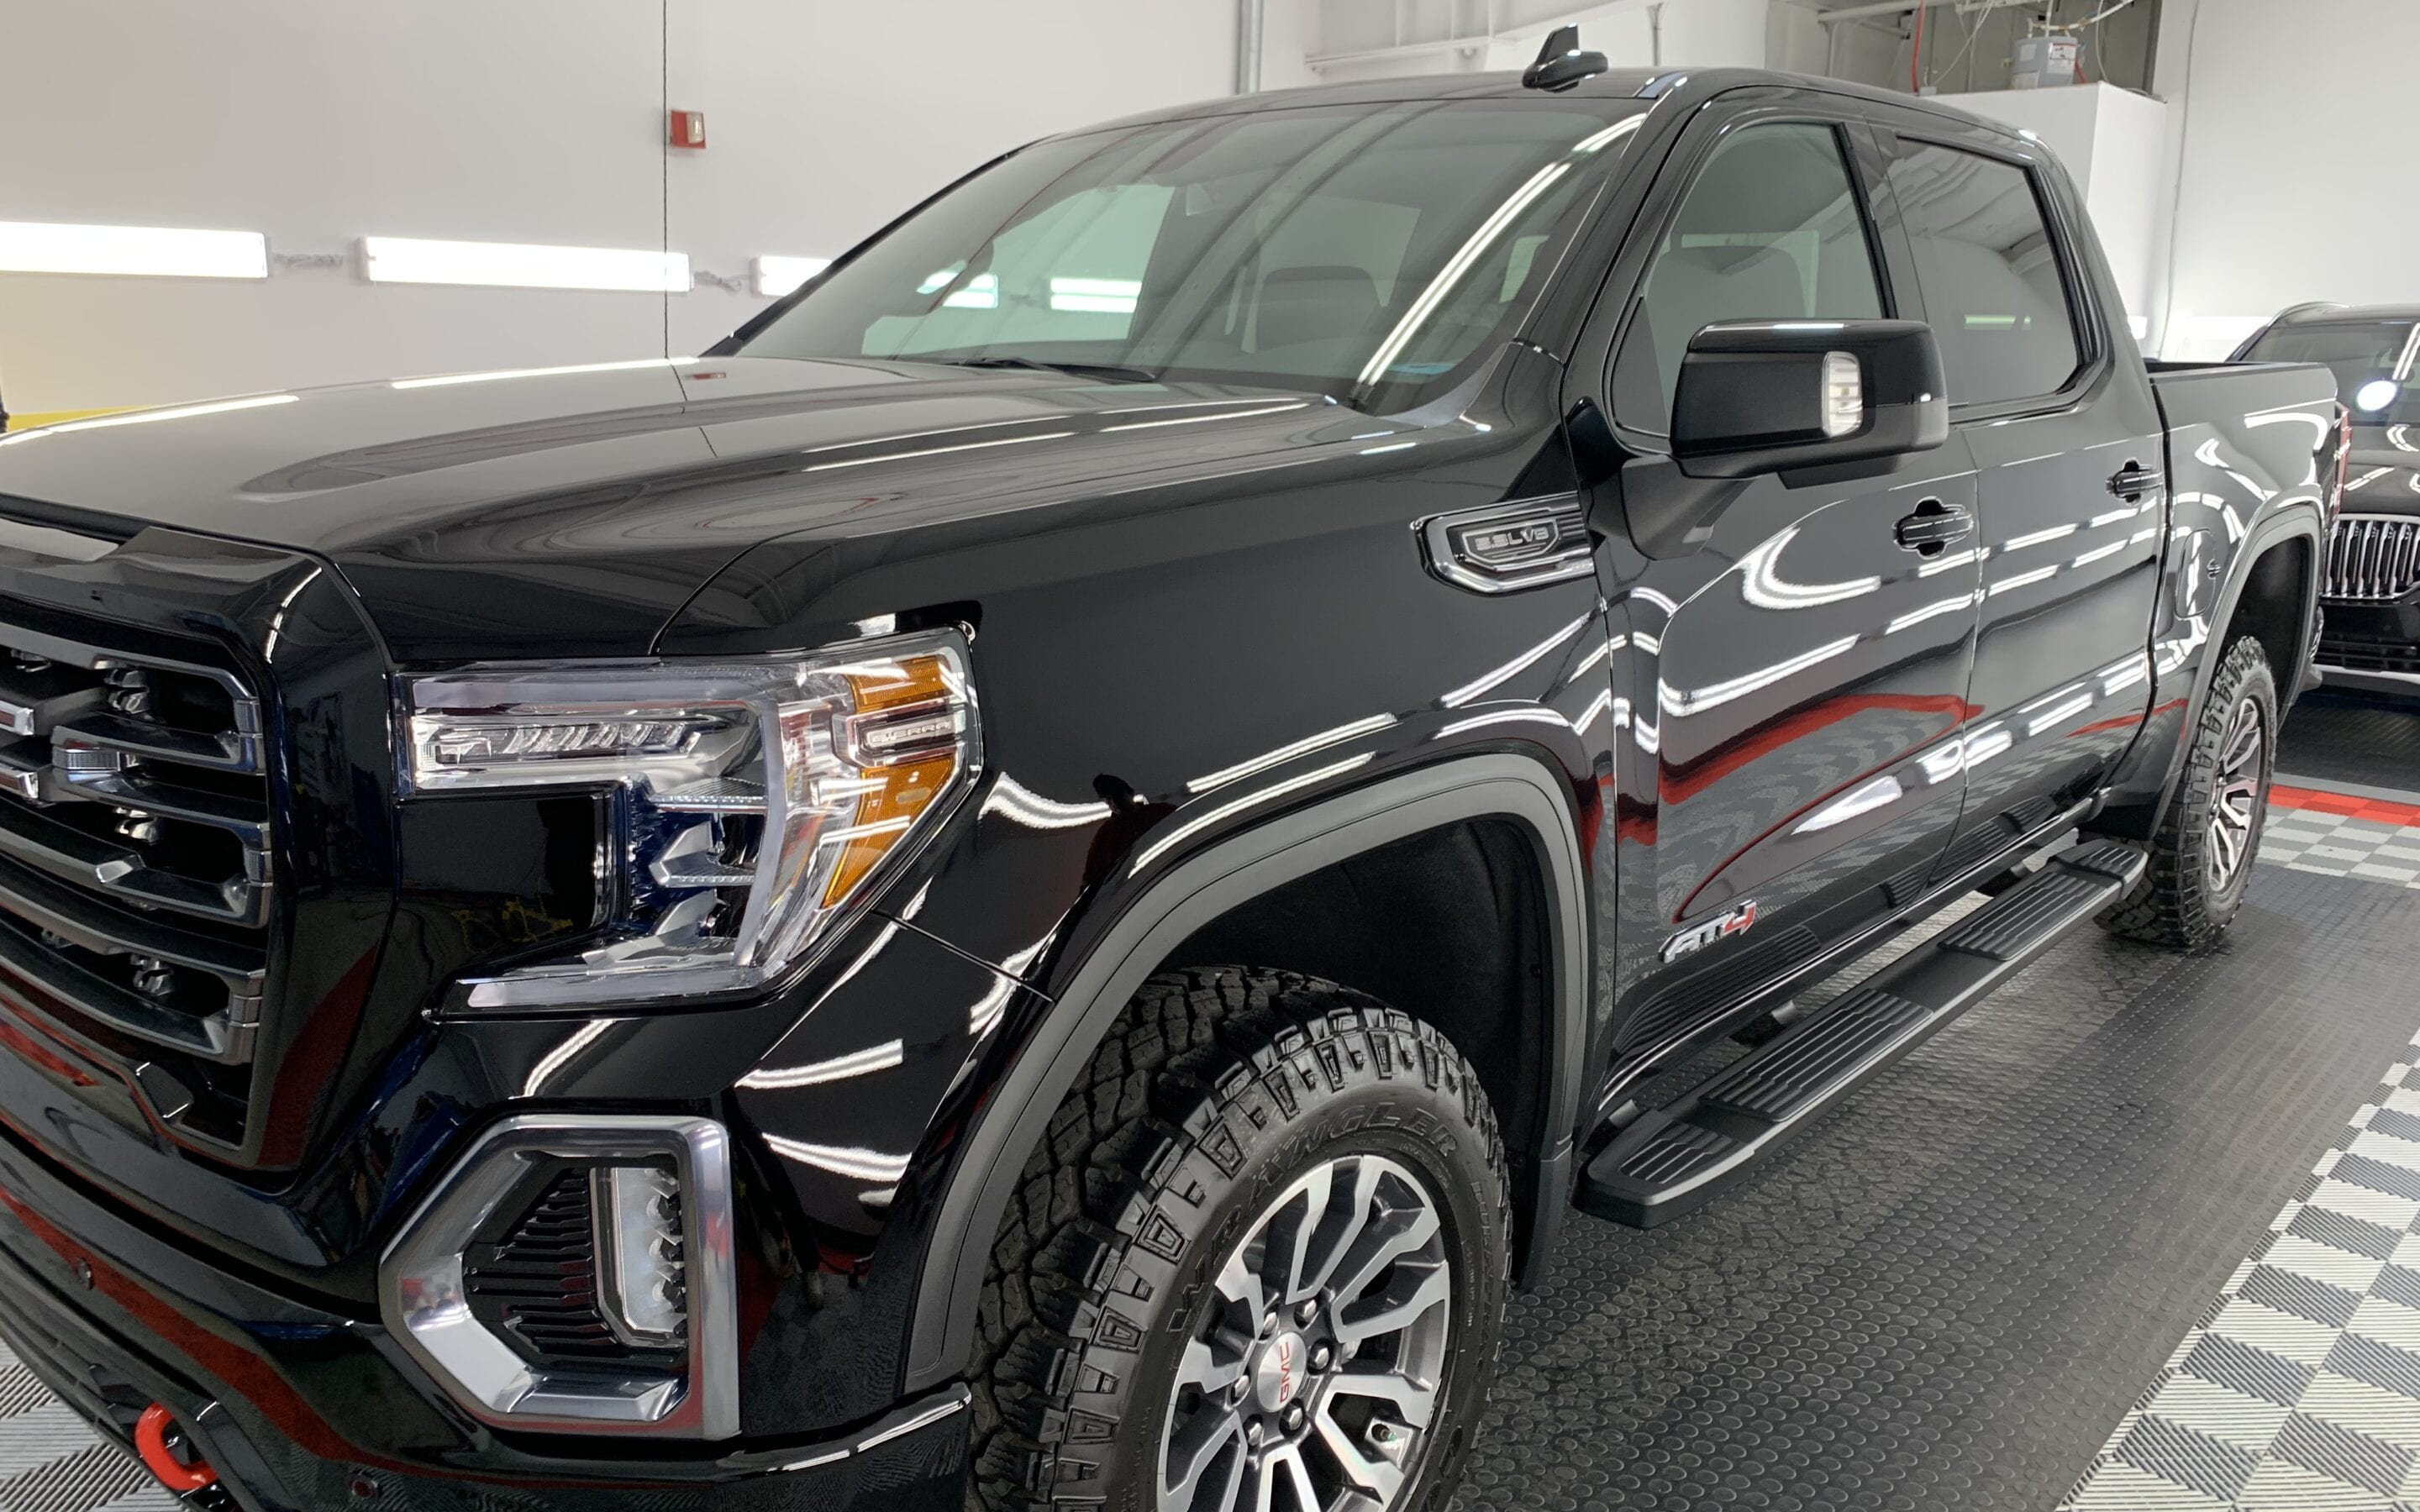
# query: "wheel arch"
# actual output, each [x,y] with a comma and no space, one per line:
[2299,524]
[1201,890]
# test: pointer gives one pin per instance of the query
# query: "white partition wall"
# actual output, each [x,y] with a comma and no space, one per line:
[541,124]
[2112,140]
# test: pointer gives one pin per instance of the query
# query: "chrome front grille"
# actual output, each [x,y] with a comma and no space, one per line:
[2373,558]
[134,856]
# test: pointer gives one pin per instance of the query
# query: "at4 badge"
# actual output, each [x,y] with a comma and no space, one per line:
[1696,937]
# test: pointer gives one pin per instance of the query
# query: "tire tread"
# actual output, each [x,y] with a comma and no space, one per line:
[1192,1049]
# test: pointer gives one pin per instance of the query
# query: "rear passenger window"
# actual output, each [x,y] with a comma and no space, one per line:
[1771,230]
[1993,283]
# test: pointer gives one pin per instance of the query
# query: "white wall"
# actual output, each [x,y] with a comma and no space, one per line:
[537,121]
[2289,121]
[1411,38]
[2113,142]
[1697,34]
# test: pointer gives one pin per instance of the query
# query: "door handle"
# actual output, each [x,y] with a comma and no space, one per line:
[2133,480]
[1932,527]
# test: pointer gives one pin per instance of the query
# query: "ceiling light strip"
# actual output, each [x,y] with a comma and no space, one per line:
[138,251]
[515,265]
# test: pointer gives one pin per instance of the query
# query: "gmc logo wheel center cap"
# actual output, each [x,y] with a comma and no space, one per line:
[1278,1378]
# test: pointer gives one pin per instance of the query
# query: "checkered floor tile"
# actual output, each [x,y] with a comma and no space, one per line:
[2301,1386]
[51,1462]
[2342,836]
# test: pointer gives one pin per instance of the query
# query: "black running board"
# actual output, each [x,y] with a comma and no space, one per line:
[1669,1161]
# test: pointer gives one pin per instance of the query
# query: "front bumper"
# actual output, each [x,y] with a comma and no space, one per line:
[2372,648]
[2358,680]
[300,1409]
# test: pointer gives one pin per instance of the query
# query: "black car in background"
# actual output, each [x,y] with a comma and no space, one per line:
[2372,593]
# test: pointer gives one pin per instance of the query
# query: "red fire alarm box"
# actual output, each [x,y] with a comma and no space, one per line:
[689,128]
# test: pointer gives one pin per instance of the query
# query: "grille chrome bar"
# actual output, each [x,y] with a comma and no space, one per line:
[48,908]
[236,750]
[134,849]
[2373,558]
[37,841]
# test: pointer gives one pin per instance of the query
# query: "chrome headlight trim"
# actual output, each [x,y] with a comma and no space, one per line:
[424,1293]
[757,803]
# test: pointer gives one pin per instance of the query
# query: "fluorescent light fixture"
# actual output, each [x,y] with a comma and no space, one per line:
[147,251]
[981,293]
[777,276]
[513,264]
[448,379]
[1095,295]
[150,417]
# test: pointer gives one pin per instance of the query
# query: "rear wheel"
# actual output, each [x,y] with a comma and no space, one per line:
[2201,859]
[1260,1263]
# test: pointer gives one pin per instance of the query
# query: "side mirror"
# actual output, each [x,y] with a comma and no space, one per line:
[1779,396]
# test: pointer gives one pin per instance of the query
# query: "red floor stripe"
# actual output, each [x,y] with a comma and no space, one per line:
[2376,811]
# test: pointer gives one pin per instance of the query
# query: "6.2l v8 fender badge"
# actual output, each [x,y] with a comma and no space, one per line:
[1738,920]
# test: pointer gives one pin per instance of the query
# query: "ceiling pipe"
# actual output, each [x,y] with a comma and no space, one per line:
[1248,17]
[1886,7]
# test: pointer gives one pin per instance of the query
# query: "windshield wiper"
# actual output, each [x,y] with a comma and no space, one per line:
[1108,372]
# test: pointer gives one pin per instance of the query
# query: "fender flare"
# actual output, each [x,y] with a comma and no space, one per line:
[1011,1122]
[2300,519]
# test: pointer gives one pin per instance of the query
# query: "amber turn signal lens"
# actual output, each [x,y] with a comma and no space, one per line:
[903,739]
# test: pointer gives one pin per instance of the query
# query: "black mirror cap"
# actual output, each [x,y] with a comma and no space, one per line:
[1751,395]
[1561,64]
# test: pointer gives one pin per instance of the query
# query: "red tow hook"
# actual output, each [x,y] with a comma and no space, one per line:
[152,1433]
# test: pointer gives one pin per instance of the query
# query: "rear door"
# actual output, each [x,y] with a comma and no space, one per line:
[2046,392]
[1790,680]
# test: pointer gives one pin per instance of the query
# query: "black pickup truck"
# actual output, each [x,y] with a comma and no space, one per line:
[1039,881]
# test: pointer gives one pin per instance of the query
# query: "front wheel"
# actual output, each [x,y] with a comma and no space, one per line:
[2201,859]
[1260,1263]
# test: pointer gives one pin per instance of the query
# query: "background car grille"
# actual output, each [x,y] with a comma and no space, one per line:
[2361,654]
[135,855]
[2373,558]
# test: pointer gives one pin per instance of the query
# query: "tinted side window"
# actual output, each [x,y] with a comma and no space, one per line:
[1993,284]
[1771,230]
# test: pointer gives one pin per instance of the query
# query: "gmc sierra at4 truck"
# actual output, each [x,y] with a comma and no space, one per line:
[1040,880]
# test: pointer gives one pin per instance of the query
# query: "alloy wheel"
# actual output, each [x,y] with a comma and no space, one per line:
[1312,1385]
[2235,808]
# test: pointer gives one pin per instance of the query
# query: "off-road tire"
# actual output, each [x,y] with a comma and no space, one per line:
[2175,903]
[1216,1088]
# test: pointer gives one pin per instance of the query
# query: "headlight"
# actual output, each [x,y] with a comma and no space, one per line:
[753,798]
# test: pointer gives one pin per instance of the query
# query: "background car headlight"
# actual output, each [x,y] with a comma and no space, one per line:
[754,799]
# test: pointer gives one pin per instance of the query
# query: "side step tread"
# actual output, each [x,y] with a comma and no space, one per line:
[1769,1086]
[1670,1160]
[2001,932]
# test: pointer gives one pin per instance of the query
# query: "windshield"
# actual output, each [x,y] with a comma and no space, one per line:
[2372,361]
[1368,249]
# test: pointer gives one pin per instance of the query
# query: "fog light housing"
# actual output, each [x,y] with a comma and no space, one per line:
[574,1275]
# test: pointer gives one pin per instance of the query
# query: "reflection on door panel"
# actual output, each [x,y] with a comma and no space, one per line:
[1796,681]
[2069,563]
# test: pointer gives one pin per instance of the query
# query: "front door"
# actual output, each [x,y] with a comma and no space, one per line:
[2067,443]
[1790,678]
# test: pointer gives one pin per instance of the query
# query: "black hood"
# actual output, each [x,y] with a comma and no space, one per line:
[2380,478]
[579,509]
